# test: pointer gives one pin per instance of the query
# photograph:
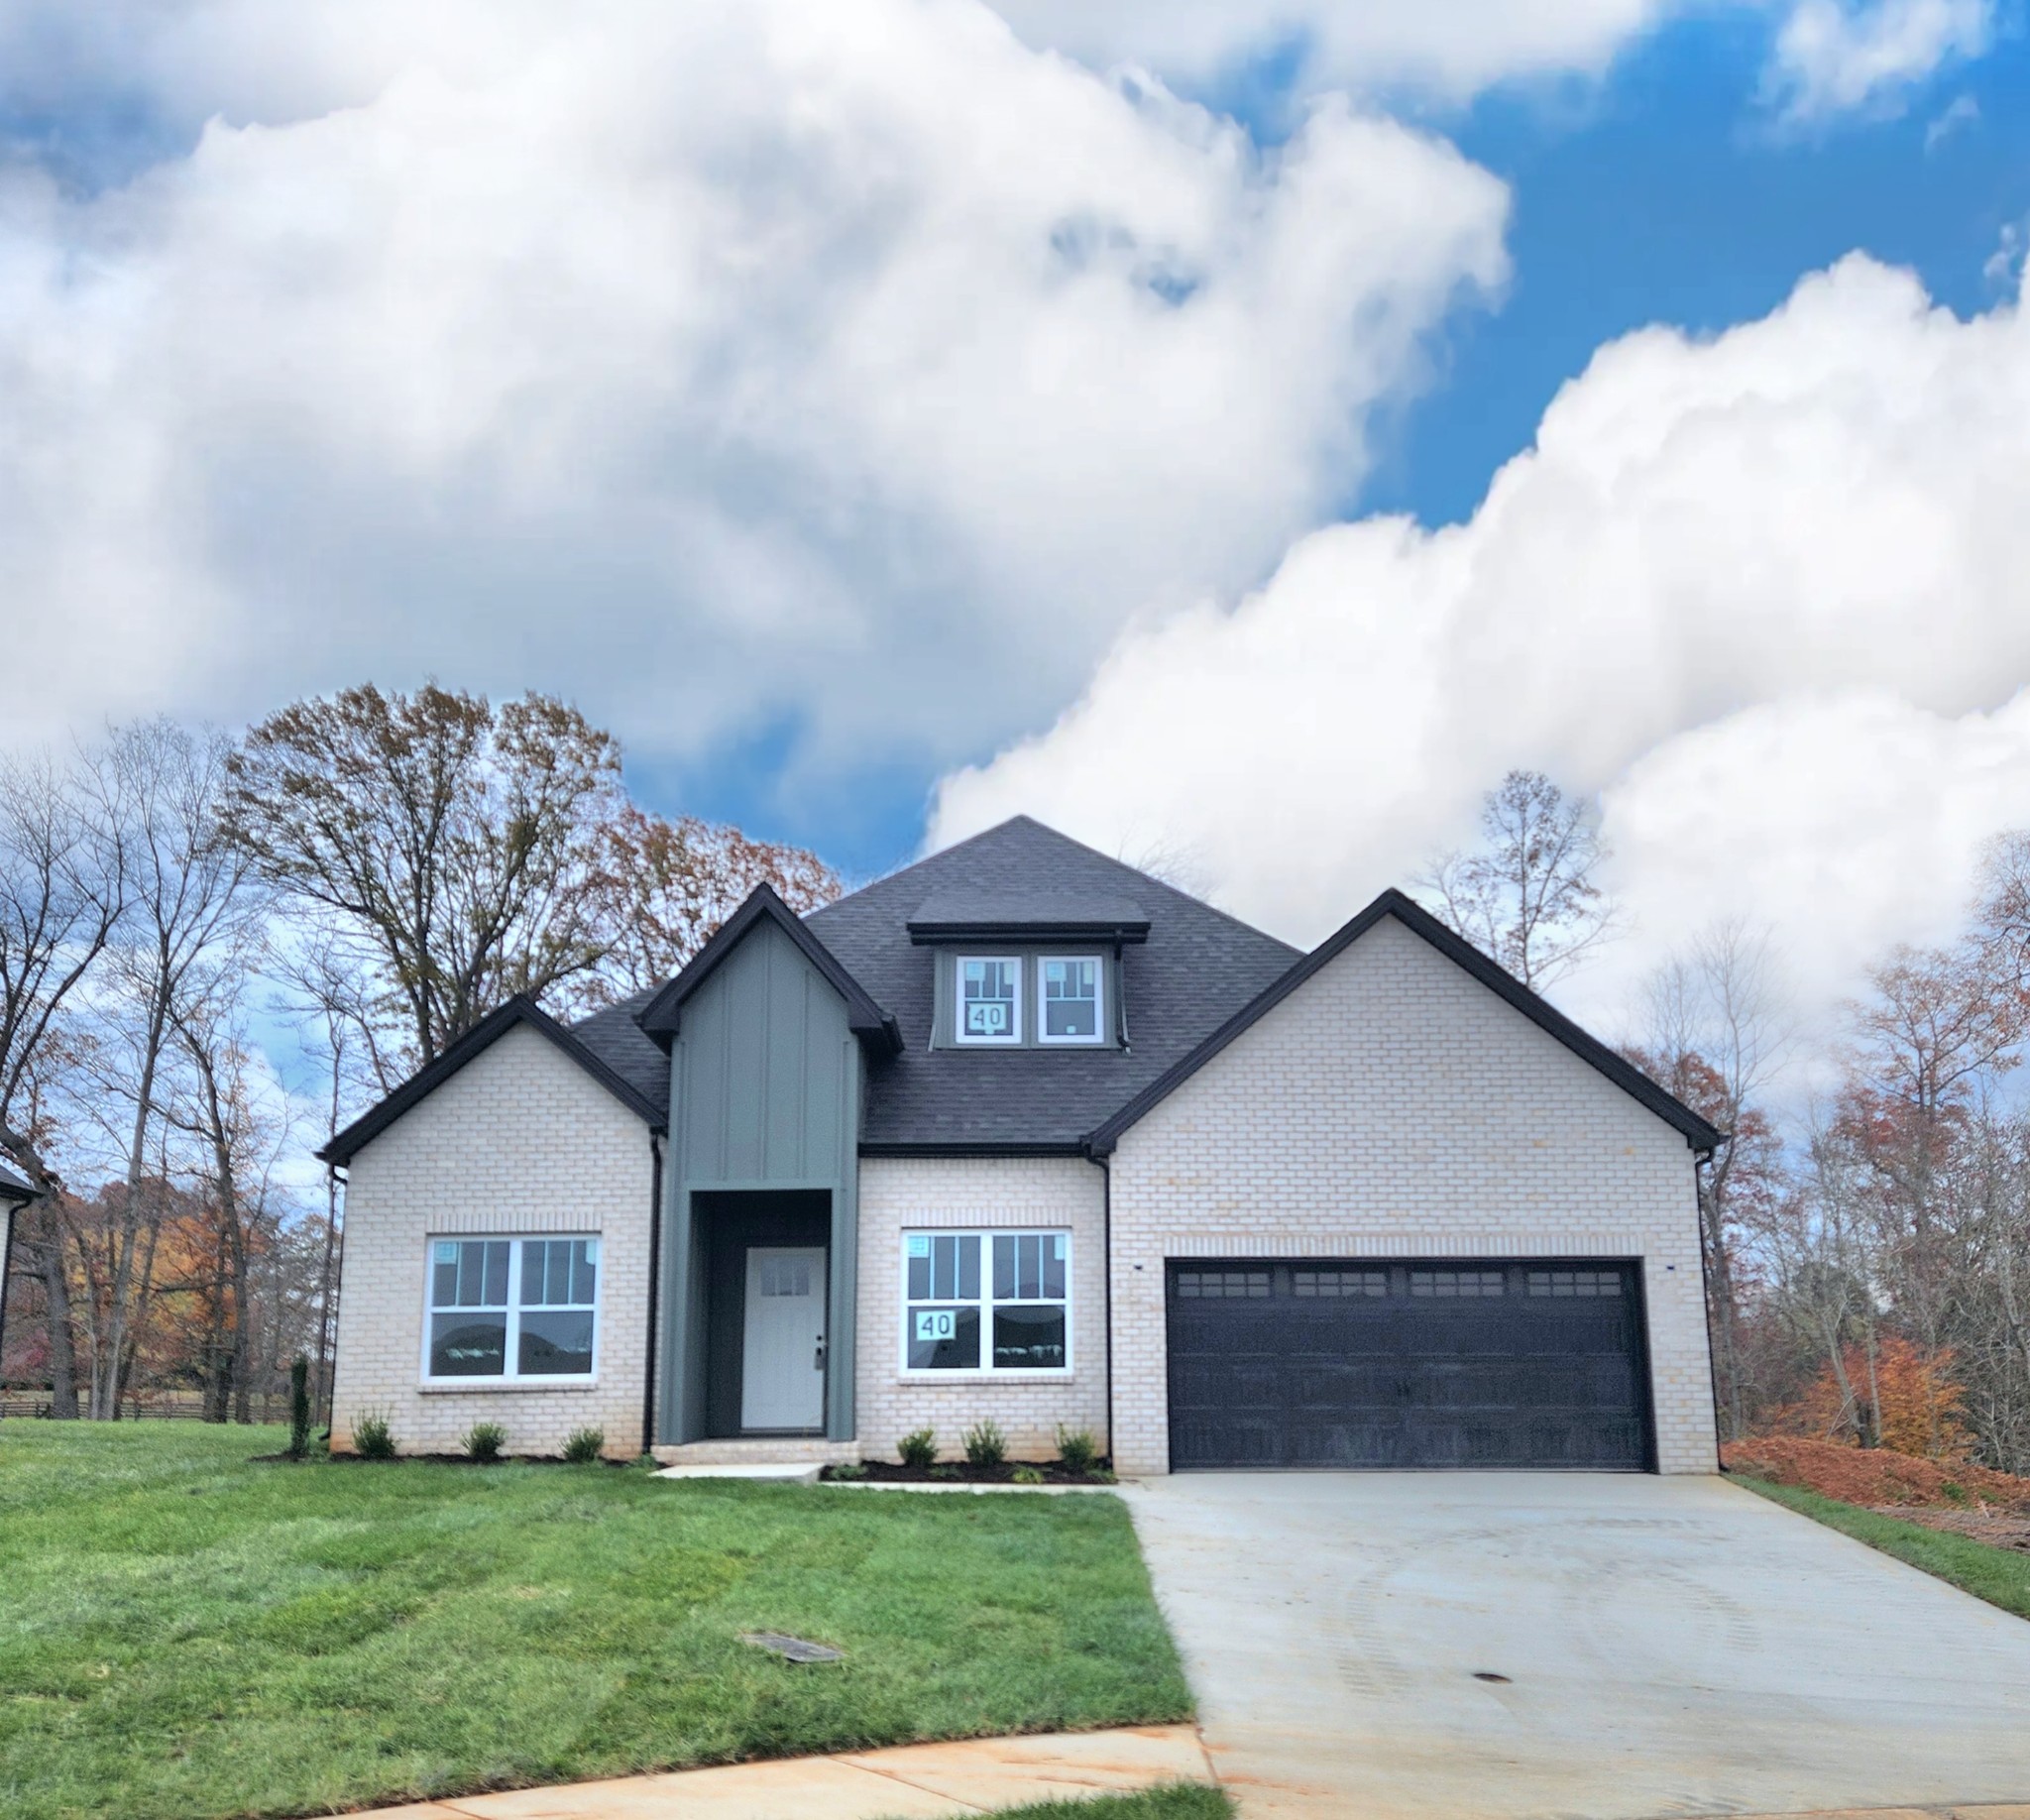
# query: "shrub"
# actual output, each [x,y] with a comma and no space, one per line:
[918,1449]
[945,1472]
[373,1437]
[848,1469]
[1028,1475]
[484,1441]
[985,1445]
[1078,1449]
[299,1408]
[585,1446]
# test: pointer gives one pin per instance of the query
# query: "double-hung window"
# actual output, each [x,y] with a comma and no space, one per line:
[989,1302]
[520,1307]
[989,999]
[1070,993]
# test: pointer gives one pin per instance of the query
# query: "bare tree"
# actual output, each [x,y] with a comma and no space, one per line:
[454,842]
[1526,895]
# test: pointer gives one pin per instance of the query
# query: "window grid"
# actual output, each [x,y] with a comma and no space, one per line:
[990,1009]
[987,1303]
[1448,1283]
[1071,999]
[1212,1284]
[1575,1283]
[510,1309]
[1328,1282]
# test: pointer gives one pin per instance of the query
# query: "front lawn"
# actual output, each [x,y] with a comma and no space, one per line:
[186,1633]
[2001,1576]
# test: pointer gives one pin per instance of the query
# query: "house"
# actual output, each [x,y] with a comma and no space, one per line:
[14,1193]
[1022,1134]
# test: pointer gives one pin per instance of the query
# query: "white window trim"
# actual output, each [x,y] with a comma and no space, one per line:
[1099,1029]
[510,1377]
[1013,1040]
[1014,1374]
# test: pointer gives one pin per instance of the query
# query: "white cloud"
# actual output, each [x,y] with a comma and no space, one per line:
[1833,55]
[805,358]
[1764,594]
[1962,115]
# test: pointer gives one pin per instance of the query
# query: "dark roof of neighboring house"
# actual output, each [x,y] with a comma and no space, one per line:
[1197,968]
[14,1191]
[1589,1049]
[653,1108]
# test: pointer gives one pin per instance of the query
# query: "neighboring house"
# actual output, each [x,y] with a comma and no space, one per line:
[14,1193]
[1022,1134]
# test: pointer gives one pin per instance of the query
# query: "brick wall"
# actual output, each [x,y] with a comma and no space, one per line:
[519,1140]
[1047,1193]
[1392,1107]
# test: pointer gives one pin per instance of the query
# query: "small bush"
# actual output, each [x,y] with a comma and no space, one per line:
[918,1449]
[1101,1475]
[374,1438]
[484,1440]
[945,1472]
[1078,1449]
[985,1445]
[1028,1475]
[299,1408]
[848,1469]
[585,1446]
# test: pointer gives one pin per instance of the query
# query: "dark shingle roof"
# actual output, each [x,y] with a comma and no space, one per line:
[14,1191]
[964,911]
[620,1042]
[1197,968]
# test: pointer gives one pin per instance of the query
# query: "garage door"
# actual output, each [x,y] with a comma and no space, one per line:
[1312,1362]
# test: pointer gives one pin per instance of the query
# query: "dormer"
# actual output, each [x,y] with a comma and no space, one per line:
[1016,971]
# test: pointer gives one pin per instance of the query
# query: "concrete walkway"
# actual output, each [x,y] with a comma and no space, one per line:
[1514,1645]
[975,1777]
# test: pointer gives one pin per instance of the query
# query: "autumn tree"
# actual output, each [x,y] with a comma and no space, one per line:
[1526,895]
[668,884]
[451,843]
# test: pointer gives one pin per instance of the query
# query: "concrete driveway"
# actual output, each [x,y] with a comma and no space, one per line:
[1663,1646]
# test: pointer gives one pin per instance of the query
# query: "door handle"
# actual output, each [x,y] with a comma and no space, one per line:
[818,1363]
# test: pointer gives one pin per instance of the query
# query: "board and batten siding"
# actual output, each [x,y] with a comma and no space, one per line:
[1392,1107]
[764,1094]
[520,1140]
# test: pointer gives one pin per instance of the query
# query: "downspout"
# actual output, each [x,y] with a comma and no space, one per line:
[654,1289]
[1703,1159]
[1106,1249]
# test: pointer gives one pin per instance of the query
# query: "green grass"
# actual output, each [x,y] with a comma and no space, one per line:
[186,1634]
[2001,1576]
[1174,1801]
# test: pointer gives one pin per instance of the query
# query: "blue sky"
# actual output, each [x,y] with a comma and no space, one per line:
[1660,193]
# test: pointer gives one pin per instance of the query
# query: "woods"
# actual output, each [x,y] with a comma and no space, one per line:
[349,888]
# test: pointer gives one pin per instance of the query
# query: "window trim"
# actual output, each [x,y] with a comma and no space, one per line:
[1100,1034]
[986,1303]
[1014,1038]
[510,1379]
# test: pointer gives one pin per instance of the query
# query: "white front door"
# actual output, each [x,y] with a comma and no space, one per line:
[782,1360]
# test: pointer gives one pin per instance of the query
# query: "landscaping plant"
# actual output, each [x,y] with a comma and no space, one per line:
[919,1449]
[1078,1449]
[299,1408]
[373,1437]
[484,1441]
[985,1445]
[585,1446]
[1028,1475]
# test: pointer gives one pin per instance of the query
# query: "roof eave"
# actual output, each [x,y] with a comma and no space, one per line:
[930,935]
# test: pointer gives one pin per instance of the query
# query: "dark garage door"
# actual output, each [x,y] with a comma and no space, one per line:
[1319,1363]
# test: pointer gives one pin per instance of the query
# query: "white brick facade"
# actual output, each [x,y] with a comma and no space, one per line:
[520,1140]
[1034,1193]
[1394,1106]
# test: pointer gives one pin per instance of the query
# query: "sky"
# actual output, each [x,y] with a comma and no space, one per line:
[1233,434]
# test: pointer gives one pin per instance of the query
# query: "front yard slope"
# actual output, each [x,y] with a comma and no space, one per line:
[184,1633]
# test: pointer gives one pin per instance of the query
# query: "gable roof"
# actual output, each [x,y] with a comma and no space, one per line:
[1197,968]
[1462,954]
[12,1191]
[517,1012]
[864,1017]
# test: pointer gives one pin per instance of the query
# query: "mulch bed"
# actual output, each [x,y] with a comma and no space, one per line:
[1897,1484]
[963,1472]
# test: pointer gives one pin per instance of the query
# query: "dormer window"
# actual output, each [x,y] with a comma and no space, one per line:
[989,999]
[1071,999]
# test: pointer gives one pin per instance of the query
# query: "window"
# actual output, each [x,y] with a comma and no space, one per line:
[1070,1007]
[1332,1283]
[994,1302]
[1445,1283]
[989,1000]
[1213,1284]
[1575,1283]
[511,1308]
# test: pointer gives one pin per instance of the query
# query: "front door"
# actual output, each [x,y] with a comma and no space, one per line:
[782,1357]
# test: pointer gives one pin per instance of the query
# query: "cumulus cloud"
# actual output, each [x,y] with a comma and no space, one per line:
[1762,594]
[847,364]
[1833,56]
